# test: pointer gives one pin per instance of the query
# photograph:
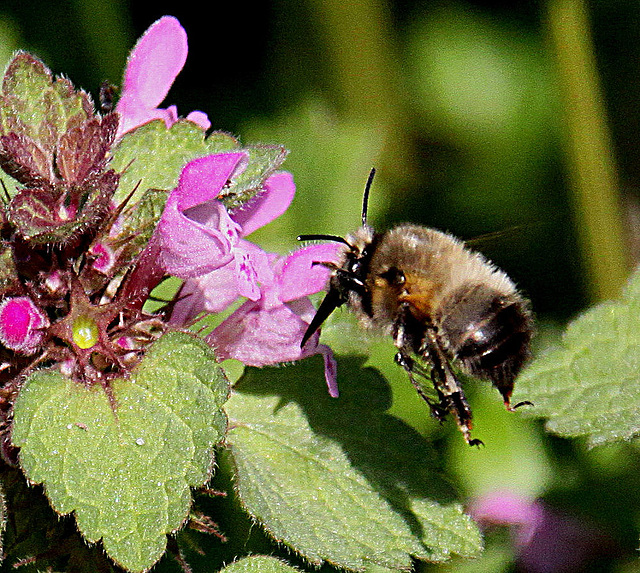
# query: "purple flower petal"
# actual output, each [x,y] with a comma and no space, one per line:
[21,324]
[200,118]
[330,370]
[195,231]
[300,277]
[545,540]
[506,508]
[152,67]
[202,179]
[252,267]
[212,292]
[274,200]
[190,249]
[259,337]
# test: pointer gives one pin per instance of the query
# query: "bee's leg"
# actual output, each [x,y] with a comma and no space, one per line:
[449,388]
[404,343]
[438,411]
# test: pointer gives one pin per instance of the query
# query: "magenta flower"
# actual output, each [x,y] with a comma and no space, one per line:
[22,325]
[201,242]
[196,233]
[545,541]
[153,65]
[269,330]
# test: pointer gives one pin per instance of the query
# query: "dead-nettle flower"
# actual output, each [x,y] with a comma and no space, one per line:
[77,268]
[200,242]
[22,324]
[152,67]
[268,330]
[66,291]
[544,540]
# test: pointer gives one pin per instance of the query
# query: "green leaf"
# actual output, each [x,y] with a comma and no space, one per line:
[36,539]
[588,385]
[263,160]
[36,105]
[259,564]
[153,156]
[340,480]
[126,474]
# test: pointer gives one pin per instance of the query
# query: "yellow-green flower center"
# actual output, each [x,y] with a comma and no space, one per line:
[85,332]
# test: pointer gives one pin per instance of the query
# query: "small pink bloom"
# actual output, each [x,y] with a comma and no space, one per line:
[153,65]
[200,242]
[22,325]
[104,258]
[203,243]
[545,540]
[196,233]
[269,330]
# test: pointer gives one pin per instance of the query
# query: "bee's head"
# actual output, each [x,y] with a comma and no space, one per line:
[349,275]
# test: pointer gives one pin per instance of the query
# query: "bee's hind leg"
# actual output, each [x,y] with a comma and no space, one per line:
[403,337]
[449,387]
[438,409]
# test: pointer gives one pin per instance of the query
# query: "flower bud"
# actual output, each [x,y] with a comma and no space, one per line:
[22,324]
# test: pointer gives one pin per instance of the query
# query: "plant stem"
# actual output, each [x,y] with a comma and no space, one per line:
[589,151]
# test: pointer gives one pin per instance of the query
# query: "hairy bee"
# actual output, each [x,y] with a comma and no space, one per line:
[447,308]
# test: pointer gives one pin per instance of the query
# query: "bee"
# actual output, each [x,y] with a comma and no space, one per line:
[447,308]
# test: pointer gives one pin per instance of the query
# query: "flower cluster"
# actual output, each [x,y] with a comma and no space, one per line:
[199,241]
[202,243]
[80,261]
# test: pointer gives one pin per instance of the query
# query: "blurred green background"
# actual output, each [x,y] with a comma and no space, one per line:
[483,117]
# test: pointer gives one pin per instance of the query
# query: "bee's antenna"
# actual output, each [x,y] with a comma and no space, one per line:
[365,199]
[323,238]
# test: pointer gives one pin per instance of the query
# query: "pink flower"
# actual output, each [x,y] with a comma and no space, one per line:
[546,541]
[201,242]
[269,330]
[153,65]
[22,324]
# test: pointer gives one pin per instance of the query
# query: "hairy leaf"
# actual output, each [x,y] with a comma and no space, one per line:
[588,385]
[259,564]
[36,105]
[339,480]
[263,160]
[153,156]
[126,473]
[36,111]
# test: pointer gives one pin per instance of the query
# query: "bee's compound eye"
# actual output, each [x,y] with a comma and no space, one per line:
[393,276]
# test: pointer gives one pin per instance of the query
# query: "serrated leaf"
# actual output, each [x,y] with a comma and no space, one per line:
[153,156]
[259,564]
[36,539]
[126,476]
[339,480]
[588,385]
[36,105]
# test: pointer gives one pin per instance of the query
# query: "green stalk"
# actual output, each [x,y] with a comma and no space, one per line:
[358,37]
[590,157]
